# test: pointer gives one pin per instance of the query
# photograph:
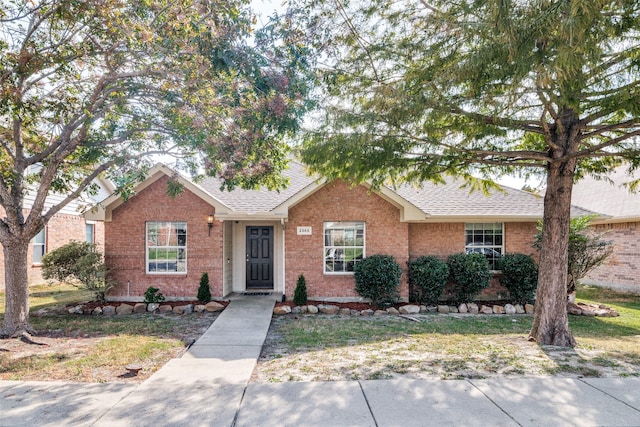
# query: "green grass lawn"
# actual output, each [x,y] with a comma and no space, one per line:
[44,296]
[453,346]
[92,348]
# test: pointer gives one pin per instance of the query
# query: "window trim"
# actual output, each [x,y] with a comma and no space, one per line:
[146,250]
[325,247]
[494,246]
[93,232]
[45,233]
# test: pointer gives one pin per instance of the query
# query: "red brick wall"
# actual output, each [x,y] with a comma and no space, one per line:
[384,234]
[61,229]
[125,244]
[444,239]
[437,239]
[623,266]
[519,238]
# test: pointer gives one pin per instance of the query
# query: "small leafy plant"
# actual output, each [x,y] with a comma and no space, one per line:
[300,293]
[378,278]
[153,295]
[427,279]
[204,290]
[470,273]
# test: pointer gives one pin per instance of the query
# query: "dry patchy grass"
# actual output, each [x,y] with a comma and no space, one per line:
[94,348]
[332,348]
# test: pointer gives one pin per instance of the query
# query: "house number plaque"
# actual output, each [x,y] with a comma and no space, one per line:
[304,231]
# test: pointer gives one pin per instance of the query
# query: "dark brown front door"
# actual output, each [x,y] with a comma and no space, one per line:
[260,257]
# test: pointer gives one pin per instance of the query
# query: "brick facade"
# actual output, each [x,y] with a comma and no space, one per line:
[444,239]
[125,244]
[622,267]
[384,234]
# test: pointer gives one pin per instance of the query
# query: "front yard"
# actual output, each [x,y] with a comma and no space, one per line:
[321,348]
[73,347]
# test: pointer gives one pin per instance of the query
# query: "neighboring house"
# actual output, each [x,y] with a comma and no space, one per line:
[67,225]
[258,240]
[620,224]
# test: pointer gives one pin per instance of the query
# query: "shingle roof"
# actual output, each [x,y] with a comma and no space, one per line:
[262,200]
[451,199]
[608,198]
[435,200]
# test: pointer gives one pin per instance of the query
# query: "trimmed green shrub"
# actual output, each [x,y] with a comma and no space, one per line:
[470,274]
[378,278]
[427,279]
[204,291]
[152,295]
[79,264]
[300,293]
[519,276]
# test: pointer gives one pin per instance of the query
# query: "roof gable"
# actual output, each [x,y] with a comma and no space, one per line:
[103,210]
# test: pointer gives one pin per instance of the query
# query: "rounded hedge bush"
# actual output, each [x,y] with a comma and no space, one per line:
[519,276]
[377,277]
[427,279]
[470,273]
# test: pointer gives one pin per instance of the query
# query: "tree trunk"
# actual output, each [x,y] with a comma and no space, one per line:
[550,320]
[16,316]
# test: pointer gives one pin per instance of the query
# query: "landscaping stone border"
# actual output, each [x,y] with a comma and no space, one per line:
[141,307]
[579,309]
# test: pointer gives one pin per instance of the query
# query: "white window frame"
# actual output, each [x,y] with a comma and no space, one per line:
[332,247]
[39,248]
[174,225]
[478,236]
[91,224]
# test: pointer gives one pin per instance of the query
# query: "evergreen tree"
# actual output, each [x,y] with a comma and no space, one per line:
[300,293]
[204,291]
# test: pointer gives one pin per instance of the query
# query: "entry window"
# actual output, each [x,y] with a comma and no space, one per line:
[39,246]
[343,246]
[90,232]
[166,247]
[486,239]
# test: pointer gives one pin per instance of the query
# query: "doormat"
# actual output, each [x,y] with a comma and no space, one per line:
[257,294]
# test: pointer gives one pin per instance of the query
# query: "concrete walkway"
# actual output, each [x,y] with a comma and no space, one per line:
[210,386]
[206,385]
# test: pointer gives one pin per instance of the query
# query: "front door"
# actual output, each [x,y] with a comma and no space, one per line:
[260,257]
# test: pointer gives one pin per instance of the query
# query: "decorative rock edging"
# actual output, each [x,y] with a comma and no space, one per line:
[470,308]
[153,307]
[582,309]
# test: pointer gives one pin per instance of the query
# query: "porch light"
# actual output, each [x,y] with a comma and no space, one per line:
[210,223]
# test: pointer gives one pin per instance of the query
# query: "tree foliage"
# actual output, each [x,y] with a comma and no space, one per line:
[79,264]
[417,89]
[97,87]
[587,250]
